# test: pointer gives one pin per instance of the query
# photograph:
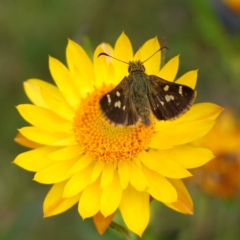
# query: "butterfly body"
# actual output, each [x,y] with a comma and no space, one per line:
[138,95]
[138,85]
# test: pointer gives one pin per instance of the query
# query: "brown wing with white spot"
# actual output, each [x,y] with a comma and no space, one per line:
[117,105]
[168,100]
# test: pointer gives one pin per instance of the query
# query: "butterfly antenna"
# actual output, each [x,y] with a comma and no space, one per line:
[164,47]
[105,54]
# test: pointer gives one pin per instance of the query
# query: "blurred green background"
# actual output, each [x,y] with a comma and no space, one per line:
[206,34]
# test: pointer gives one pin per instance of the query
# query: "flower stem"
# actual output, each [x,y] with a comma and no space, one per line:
[120,229]
[163,57]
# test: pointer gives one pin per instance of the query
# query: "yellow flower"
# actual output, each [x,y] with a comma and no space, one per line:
[100,166]
[221,176]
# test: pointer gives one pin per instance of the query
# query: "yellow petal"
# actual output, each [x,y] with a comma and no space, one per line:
[54,173]
[20,139]
[35,160]
[97,170]
[189,156]
[59,105]
[134,208]
[32,88]
[103,68]
[78,181]
[137,55]
[201,111]
[176,134]
[66,153]
[54,203]
[43,118]
[184,202]
[101,223]
[80,67]
[82,163]
[107,174]
[46,137]
[111,77]
[161,163]
[68,141]
[170,69]
[64,81]
[189,79]
[89,203]
[159,187]
[137,178]
[123,173]
[150,47]
[111,196]
[46,95]
[122,51]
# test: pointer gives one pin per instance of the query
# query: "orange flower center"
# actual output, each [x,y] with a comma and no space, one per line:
[104,141]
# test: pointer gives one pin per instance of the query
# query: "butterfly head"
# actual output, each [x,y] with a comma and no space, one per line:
[136,66]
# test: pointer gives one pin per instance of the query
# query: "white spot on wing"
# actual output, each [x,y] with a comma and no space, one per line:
[166,88]
[162,103]
[117,104]
[124,107]
[118,93]
[180,90]
[169,97]
[109,99]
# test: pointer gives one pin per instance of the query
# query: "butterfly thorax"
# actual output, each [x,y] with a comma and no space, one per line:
[138,82]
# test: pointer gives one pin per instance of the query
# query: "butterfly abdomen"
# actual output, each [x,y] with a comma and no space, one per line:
[140,98]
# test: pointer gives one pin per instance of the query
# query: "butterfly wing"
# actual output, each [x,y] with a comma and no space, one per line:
[117,105]
[168,100]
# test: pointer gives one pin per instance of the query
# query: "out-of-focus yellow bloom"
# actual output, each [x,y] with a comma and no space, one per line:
[221,176]
[234,5]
